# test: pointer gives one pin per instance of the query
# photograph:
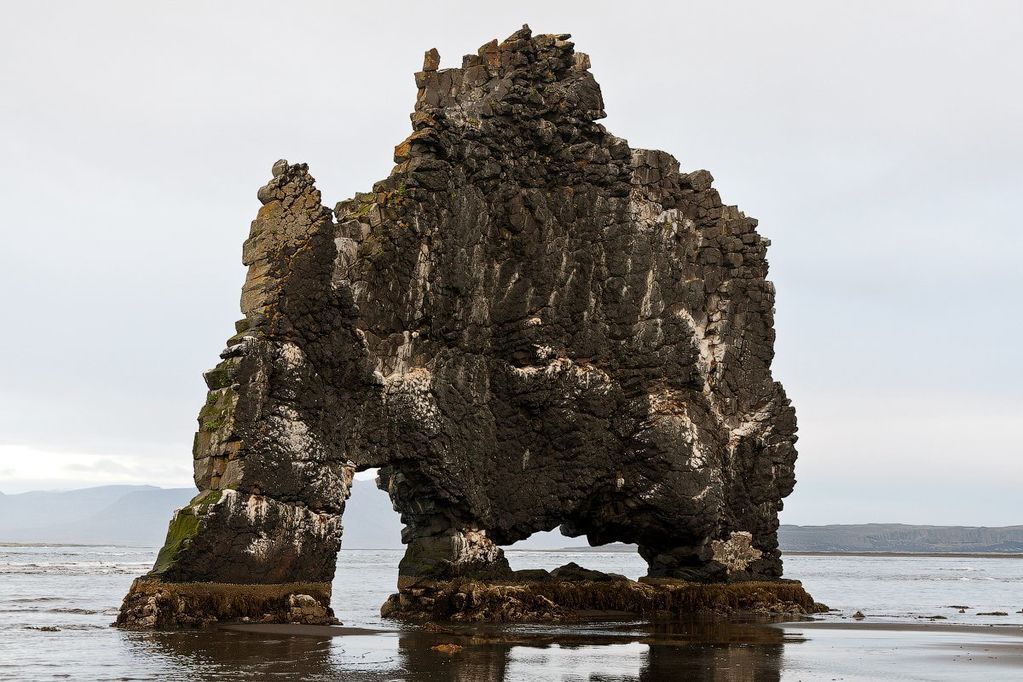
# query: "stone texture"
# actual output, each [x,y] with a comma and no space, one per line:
[574,596]
[154,603]
[527,325]
[736,553]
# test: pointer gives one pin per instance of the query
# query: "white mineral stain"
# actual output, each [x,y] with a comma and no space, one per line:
[292,355]
[645,307]
[420,281]
[737,552]
[411,395]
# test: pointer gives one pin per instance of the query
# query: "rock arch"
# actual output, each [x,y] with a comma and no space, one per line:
[527,324]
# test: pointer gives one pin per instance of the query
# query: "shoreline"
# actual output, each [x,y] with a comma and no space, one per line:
[929,627]
[628,630]
[593,550]
[784,553]
[953,555]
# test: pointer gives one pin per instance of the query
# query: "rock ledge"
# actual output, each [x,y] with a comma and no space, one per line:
[152,603]
[553,600]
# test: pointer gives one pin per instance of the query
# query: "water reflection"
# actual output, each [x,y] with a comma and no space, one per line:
[221,654]
[719,652]
[646,653]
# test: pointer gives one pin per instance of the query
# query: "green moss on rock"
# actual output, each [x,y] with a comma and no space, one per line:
[203,501]
[221,376]
[183,527]
[217,411]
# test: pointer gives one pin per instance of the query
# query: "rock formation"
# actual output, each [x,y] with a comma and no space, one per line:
[527,325]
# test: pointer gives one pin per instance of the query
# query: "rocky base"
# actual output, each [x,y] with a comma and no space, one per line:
[155,604]
[580,595]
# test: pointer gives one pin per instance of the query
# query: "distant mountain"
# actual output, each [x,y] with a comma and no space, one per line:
[898,537]
[138,515]
[887,537]
[113,514]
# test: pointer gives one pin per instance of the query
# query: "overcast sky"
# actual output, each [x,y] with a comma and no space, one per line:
[880,144]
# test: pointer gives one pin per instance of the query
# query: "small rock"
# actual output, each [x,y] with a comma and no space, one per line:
[700,180]
[448,649]
[533,574]
[303,601]
[572,572]
[389,606]
[431,60]
[859,615]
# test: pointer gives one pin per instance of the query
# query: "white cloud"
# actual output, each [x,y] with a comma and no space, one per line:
[911,458]
[30,468]
[909,436]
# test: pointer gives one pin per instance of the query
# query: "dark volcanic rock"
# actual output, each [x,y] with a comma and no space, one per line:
[574,572]
[580,600]
[528,324]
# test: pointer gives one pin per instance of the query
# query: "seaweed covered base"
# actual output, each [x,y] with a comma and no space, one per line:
[578,595]
[152,603]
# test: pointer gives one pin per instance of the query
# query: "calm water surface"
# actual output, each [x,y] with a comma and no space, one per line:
[77,591]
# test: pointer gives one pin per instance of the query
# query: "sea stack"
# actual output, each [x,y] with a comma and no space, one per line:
[529,324]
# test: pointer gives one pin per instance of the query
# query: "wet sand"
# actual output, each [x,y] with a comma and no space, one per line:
[300,630]
[653,652]
[938,628]
[933,651]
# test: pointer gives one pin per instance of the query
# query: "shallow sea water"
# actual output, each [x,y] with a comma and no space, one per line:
[77,590]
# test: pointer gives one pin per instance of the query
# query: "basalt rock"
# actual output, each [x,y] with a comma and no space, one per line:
[527,325]
[576,597]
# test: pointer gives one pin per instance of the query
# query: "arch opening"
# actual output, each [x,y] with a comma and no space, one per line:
[557,554]
[371,548]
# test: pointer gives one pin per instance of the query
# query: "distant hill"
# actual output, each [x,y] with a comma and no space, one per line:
[113,514]
[898,537]
[890,537]
[138,515]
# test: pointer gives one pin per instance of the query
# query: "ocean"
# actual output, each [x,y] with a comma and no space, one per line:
[57,604]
